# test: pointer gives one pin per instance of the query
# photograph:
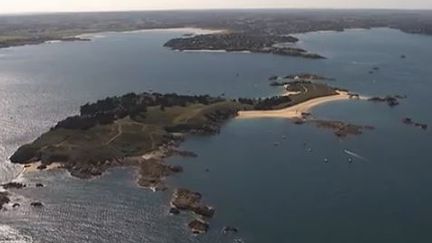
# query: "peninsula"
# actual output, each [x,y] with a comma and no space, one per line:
[141,130]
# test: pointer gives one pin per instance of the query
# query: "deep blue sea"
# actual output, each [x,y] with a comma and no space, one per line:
[282,193]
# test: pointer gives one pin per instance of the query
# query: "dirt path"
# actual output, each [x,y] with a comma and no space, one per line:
[119,133]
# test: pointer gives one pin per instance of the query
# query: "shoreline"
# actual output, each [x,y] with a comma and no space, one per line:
[294,111]
[185,30]
[91,36]
[33,167]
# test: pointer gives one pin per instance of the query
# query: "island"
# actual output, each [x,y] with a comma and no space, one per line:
[410,122]
[141,130]
[288,79]
[391,101]
[241,42]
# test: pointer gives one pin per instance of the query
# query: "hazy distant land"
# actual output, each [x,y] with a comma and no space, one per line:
[255,31]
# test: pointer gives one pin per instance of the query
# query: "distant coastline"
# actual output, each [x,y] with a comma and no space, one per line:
[36,29]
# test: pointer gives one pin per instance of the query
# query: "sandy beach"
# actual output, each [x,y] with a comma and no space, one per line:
[31,168]
[296,110]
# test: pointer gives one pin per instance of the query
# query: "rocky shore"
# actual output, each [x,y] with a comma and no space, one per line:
[152,173]
[198,226]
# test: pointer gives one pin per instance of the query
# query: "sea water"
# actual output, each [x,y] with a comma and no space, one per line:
[273,180]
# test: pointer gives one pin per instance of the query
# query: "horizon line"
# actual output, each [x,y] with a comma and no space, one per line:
[209,9]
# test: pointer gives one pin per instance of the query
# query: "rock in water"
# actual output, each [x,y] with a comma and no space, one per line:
[229,229]
[41,167]
[198,227]
[184,199]
[4,198]
[174,211]
[36,204]
[13,185]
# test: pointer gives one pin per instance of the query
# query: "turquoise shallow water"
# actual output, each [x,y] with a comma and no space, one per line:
[271,193]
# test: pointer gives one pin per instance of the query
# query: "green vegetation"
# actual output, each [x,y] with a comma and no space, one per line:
[302,91]
[308,90]
[113,129]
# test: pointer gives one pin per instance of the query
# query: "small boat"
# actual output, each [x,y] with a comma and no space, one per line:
[354,155]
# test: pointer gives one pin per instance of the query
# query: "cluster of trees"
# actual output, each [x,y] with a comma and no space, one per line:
[86,122]
[267,103]
[229,42]
[247,101]
[108,110]
[272,102]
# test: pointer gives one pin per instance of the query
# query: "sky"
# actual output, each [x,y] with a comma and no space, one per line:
[21,6]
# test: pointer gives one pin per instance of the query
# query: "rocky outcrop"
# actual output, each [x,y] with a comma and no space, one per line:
[4,199]
[306,77]
[13,185]
[298,121]
[186,200]
[390,100]
[342,129]
[198,226]
[174,211]
[36,204]
[410,122]
[273,78]
[229,229]
[153,172]
[183,153]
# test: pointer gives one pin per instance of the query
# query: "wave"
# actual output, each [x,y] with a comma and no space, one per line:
[11,235]
[9,171]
